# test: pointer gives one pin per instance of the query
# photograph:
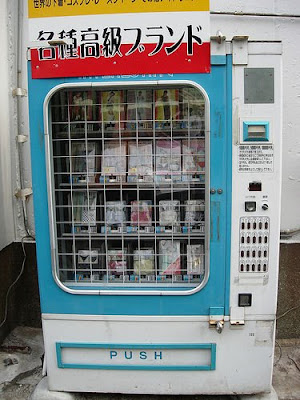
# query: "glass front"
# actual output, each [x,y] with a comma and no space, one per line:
[128,170]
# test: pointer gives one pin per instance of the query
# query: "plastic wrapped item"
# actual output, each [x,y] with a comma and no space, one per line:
[117,261]
[139,108]
[195,259]
[88,258]
[84,211]
[169,257]
[81,106]
[83,162]
[193,157]
[169,212]
[140,162]
[143,262]
[141,213]
[115,213]
[168,157]
[112,110]
[166,107]
[194,211]
[114,158]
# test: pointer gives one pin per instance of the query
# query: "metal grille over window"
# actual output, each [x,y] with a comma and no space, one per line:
[128,168]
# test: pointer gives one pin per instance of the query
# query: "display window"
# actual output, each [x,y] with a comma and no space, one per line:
[128,180]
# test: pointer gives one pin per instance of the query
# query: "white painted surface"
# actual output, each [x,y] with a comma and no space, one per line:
[244,356]
[263,284]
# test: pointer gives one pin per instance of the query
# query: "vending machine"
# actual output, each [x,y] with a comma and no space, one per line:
[156,158]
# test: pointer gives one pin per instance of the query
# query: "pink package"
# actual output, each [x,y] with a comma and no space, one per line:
[141,213]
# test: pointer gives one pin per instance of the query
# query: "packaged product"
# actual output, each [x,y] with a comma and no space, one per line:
[117,261]
[84,211]
[166,107]
[195,259]
[168,157]
[112,110]
[169,212]
[140,160]
[193,156]
[83,162]
[141,213]
[87,258]
[139,109]
[114,158]
[115,213]
[194,211]
[143,262]
[169,257]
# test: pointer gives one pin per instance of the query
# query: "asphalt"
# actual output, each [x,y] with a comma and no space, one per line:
[21,372]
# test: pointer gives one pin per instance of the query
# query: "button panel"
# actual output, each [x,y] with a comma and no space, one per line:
[254,244]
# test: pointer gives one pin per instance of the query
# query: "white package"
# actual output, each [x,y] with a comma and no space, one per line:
[168,157]
[115,212]
[140,158]
[87,258]
[194,211]
[195,259]
[169,257]
[169,212]
[114,158]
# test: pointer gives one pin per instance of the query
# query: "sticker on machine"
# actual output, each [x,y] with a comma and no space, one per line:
[256,158]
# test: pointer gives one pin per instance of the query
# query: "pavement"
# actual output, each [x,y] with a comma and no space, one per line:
[21,373]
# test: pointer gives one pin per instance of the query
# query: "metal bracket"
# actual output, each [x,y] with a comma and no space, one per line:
[22,138]
[19,92]
[22,194]
[240,50]
[237,316]
[216,318]
[219,37]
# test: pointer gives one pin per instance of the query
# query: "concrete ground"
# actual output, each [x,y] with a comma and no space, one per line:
[21,370]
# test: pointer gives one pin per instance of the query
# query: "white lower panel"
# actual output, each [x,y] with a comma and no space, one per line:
[131,356]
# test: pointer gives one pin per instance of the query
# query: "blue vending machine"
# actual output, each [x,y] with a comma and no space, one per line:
[155,206]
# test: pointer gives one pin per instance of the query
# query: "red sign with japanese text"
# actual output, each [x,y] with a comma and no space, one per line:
[143,40]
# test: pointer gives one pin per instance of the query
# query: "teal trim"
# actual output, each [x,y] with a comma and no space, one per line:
[246,125]
[216,310]
[213,356]
[228,181]
[218,60]
[159,346]
[53,298]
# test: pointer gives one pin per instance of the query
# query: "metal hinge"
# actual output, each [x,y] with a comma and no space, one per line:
[19,92]
[22,194]
[22,138]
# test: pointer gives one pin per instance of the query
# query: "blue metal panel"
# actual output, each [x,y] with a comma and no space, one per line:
[228,179]
[134,346]
[54,299]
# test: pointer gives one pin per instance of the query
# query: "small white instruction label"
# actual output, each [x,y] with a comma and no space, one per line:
[256,158]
